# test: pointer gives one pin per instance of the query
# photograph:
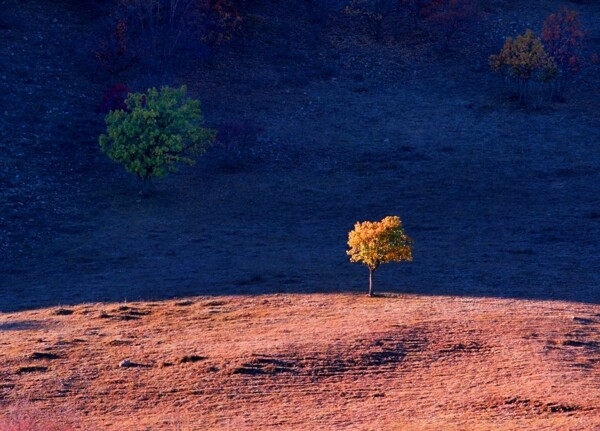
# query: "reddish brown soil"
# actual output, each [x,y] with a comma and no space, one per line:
[310,362]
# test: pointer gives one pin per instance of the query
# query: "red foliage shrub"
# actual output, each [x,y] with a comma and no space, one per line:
[111,48]
[114,98]
[563,38]
[220,20]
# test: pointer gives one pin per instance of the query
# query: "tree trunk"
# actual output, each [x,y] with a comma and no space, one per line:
[370,282]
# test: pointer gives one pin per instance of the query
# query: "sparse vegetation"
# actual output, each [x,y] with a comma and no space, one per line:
[234,144]
[158,131]
[445,19]
[160,35]
[375,14]
[111,48]
[219,21]
[450,18]
[376,243]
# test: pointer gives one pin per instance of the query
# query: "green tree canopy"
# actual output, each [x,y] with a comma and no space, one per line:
[158,131]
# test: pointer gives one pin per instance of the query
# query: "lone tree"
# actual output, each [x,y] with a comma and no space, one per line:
[374,243]
[158,131]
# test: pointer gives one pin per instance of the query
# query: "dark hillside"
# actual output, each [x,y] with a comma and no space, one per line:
[501,199]
[49,166]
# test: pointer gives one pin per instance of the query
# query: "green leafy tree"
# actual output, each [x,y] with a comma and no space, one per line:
[374,243]
[158,131]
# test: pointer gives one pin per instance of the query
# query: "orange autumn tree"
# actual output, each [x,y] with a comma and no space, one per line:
[374,243]
[524,59]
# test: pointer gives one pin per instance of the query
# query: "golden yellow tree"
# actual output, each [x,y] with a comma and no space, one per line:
[374,243]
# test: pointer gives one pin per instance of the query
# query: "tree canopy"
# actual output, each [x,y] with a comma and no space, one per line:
[158,131]
[375,243]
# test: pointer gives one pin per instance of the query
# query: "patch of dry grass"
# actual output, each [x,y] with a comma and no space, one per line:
[309,361]
[23,416]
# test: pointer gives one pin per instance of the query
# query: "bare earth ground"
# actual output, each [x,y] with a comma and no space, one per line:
[310,361]
[502,202]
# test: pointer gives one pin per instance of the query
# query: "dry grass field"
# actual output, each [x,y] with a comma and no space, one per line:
[394,362]
[229,292]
